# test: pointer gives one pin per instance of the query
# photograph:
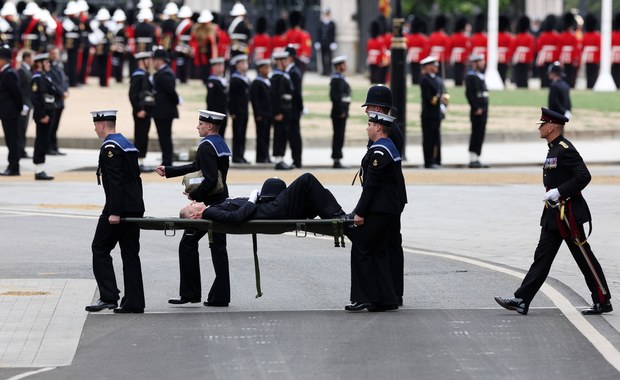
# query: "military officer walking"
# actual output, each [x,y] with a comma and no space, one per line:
[565,175]
[340,95]
[478,98]
[118,170]
[259,96]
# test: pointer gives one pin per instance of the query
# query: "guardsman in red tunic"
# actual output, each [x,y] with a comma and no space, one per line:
[460,43]
[278,40]
[374,54]
[569,49]
[479,37]
[523,52]
[504,46]
[548,45]
[615,50]
[417,48]
[440,43]
[591,43]
[260,45]
[296,37]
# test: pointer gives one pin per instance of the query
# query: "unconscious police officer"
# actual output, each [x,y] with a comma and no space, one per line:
[119,173]
[212,162]
[565,175]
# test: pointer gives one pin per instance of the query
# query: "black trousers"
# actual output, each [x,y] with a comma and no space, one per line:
[339,126]
[127,235]
[9,126]
[459,73]
[591,74]
[263,133]
[478,127]
[42,140]
[22,127]
[415,72]
[189,265]
[503,71]
[103,61]
[294,138]
[371,276]
[141,134]
[71,68]
[542,74]
[521,74]
[280,135]
[183,67]
[396,258]
[548,246]
[431,141]
[615,73]
[326,59]
[164,131]
[376,75]
[571,74]
[118,61]
[54,129]
[240,128]
[83,69]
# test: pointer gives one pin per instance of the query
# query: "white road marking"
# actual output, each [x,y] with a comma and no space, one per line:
[30,373]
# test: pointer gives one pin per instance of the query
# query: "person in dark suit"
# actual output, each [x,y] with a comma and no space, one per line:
[212,160]
[281,104]
[166,101]
[11,106]
[25,79]
[238,104]
[433,111]
[259,96]
[142,101]
[304,198]
[119,173]
[340,95]
[61,83]
[559,91]
[478,98]
[44,95]
[327,40]
[217,91]
[565,175]
[297,109]
[377,212]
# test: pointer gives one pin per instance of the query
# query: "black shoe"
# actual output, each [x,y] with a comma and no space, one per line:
[598,308]
[51,152]
[358,306]
[123,310]
[263,161]
[146,169]
[24,154]
[382,307]
[240,160]
[283,166]
[297,165]
[182,300]
[9,173]
[42,176]
[477,165]
[59,153]
[516,304]
[339,165]
[215,304]
[100,305]
[400,301]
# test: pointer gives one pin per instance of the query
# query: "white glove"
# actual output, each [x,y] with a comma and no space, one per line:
[442,107]
[317,46]
[552,195]
[180,100]
[568,114]
[25,110]
[254,196]
[333,46]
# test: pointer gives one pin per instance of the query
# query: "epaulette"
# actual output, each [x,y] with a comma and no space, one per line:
[564,144]
[109,146]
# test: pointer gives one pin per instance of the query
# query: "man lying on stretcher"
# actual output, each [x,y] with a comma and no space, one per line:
[304,198]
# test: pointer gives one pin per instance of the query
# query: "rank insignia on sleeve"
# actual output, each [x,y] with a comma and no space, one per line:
[564,145]
[375,163]
[35,88]
[110,154]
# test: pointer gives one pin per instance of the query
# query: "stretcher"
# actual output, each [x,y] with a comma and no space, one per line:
[301,227]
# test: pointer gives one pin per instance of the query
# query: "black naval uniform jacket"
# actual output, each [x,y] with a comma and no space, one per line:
[239,98]
[383,184]
[217,94]
[44,95]
[340,95]
[260,97]
[559,97]
[565,170]
[298,102]
[139,87]
[119,172]
[213,155]
[431,88]
[166,97]
[11,101]
[476,91]
[281,93]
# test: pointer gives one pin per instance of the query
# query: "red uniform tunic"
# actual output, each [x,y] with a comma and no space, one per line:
[260,46]
[460,47]
[440,45]
[523,49]
[615,47]
[505,45]
[417,47]
[548,48]
[479,44]
[591,43]
[278,43]
[570,50]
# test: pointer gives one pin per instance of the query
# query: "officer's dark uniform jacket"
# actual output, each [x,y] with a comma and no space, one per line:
[119,172]
[281,93]
[239,94]
[166,97]
[44,95]
[559,98]
[11,101]
[476,91]
[139,88]
[382,180]
[217,94]
[260,97]
[340,95]
[565,170]
[431,88]
[212,156]
[295,76]
[71,32]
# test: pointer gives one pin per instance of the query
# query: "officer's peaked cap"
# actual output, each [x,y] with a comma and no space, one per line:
[272,187]
[379,95]
[549,116]
[160,53]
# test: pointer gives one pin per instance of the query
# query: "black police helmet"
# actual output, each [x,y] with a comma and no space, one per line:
[160,53]
[379,95]
[272,187]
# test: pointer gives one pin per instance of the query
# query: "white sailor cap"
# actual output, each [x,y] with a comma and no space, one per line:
[475,58]
[263,62]
[41,57]
[237,58]
[216,60]
[339,59]
[211,116]
[143,54]
[429,59]
[280,54]
[104,115]
[381,118]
